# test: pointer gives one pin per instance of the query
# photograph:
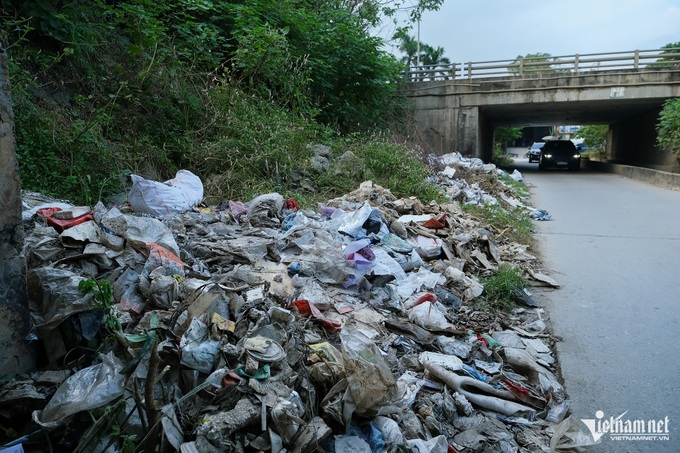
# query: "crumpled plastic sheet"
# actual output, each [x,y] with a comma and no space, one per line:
[517,176]
[54,296]
[568,436]
[540,214]
[87,389]
[360,254]
[265,210]
[352,223]
[369,378]
[418,280]
[437,444]
[139,230]
[199,352]
[386,265]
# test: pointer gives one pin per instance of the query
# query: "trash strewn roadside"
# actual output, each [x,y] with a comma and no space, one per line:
[258,326]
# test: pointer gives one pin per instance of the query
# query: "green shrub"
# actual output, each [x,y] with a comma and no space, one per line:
[668,127]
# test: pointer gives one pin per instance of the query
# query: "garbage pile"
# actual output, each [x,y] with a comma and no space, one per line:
[261,326]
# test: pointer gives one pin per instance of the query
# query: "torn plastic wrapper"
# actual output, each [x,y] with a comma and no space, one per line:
[423,279]
[359,253]
[306,308]
[395,243]
[568,435]
[384,264]
[79,235]
[428,248]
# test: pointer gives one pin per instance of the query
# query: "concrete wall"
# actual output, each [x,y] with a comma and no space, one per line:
[15,354]
[634,143]
[659,178]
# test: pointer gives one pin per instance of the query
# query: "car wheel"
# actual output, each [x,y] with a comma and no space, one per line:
[541,166]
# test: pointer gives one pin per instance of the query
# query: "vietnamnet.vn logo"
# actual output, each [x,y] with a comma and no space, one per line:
[619,428]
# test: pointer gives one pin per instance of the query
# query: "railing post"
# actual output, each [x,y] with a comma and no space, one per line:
[636,63]
[521,66]
[576,61]
[469,65]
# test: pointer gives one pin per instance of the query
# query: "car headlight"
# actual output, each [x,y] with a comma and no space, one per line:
[548,156]
[577,156]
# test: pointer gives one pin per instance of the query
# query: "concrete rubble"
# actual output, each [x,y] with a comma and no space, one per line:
[260,326]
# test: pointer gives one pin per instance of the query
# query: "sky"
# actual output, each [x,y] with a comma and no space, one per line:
[490,30]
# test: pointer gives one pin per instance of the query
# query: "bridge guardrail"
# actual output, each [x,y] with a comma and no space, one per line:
[549,66]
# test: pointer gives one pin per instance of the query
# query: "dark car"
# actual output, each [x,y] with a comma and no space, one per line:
[559,154]
[535,151]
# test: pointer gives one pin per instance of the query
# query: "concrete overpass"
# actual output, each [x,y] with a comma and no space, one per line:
[458,111]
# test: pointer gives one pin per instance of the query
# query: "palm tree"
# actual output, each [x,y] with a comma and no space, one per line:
[409,46]
[433,57]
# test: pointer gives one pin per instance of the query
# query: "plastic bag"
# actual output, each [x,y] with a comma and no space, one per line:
[568,435]
[360,255]
[435,445]
[266,210]
[352,223]
[139,230]
[54,296]
[87,389]
[370,381]
[427,248]
[198,350]
[174,196]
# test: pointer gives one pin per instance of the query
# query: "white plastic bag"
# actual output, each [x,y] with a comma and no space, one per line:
[87,389]
[174,196]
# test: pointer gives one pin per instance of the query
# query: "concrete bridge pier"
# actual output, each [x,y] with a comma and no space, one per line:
[451,128]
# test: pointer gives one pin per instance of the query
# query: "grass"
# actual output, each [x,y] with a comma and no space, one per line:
[502,289]
[513,223]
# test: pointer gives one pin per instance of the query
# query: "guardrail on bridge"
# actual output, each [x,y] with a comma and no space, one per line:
[549,66]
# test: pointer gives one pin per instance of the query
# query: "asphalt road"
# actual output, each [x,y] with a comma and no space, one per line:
[614,246]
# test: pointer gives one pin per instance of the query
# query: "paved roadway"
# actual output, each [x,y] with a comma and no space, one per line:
[614,246]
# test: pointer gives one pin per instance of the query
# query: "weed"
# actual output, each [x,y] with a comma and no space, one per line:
[503,289]
[519,188]
[514,223]
[103,297]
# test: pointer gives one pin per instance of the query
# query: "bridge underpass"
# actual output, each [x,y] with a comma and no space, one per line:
[460,114]
[632,135]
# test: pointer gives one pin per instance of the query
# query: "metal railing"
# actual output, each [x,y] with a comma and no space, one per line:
[549,66]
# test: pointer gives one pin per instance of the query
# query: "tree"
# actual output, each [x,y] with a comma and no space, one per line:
[534,64]
[432,56]
[668,127]
[672,61]
[504,135]
[409,46]
[595,136]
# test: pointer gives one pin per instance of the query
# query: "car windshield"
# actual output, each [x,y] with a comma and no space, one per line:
[537,145]
[565,147]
